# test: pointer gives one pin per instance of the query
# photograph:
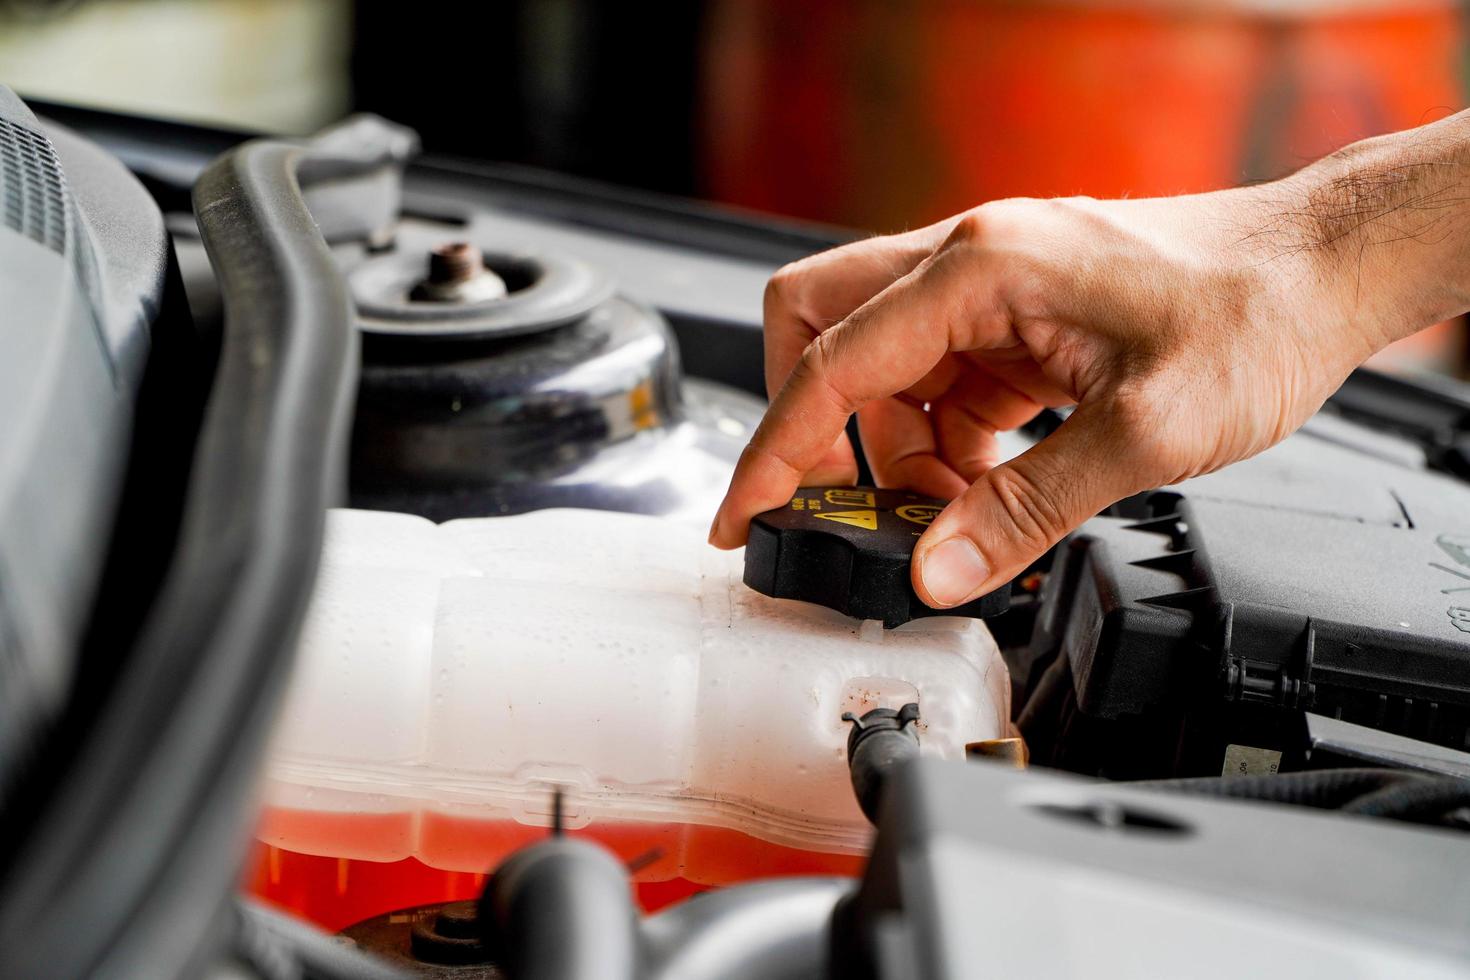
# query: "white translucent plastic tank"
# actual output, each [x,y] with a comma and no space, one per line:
[450,675]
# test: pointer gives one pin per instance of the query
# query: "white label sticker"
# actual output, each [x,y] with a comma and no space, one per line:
[1247,760]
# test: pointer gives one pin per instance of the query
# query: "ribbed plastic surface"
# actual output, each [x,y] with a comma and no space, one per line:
[32,188]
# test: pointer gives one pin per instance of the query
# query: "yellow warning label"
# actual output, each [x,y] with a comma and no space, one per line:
[853,498]
[804,503]
[919,513]
[865,519]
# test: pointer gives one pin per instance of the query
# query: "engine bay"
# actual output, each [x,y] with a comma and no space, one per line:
[405,630]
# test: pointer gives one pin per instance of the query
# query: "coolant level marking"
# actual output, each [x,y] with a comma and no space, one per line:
[865,519]
[919,513]
[853,498]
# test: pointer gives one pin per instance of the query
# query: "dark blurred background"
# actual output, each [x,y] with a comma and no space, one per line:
[873,114]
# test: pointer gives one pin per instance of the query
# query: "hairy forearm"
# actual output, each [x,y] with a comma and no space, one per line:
[1384,224]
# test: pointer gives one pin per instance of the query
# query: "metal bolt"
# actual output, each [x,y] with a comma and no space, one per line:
[457,274]
[454,262]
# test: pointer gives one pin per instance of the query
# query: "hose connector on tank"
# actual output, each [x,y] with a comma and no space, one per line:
[879,740]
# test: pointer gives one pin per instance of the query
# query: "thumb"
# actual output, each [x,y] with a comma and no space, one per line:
[1010,516]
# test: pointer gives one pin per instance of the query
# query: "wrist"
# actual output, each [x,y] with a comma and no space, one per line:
[1381,229]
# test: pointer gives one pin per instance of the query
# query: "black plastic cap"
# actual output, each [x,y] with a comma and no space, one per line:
[849,548]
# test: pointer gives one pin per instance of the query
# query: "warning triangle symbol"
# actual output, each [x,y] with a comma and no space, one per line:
[865,519]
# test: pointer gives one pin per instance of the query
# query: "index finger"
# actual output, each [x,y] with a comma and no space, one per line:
[885,346]
[808,297]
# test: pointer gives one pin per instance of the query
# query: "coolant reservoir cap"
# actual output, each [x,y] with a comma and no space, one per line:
[848,548]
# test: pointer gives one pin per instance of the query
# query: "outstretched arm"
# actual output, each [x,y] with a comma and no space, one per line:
[1190,332]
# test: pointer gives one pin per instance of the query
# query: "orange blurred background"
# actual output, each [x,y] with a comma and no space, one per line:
[876,115]
[882,116]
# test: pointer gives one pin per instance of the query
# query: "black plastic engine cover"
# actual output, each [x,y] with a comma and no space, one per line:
[1215,623]
[849,548]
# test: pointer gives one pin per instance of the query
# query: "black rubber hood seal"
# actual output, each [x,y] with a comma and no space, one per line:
[127,865]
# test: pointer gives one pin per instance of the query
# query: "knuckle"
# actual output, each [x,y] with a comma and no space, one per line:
[995,220]
[1031,506]
[783,288]
[1071,206]
[814,369]
[760,454]
[813,358]
[972,229]
[996,235]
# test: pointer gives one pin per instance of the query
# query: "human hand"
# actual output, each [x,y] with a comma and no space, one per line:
[1189,332]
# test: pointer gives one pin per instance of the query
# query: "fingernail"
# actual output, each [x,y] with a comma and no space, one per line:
[952,570]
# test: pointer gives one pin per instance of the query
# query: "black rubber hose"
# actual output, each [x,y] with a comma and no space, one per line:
[1327,789]
[1424,799]
[561,910]
[879,740]
[1393,794]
